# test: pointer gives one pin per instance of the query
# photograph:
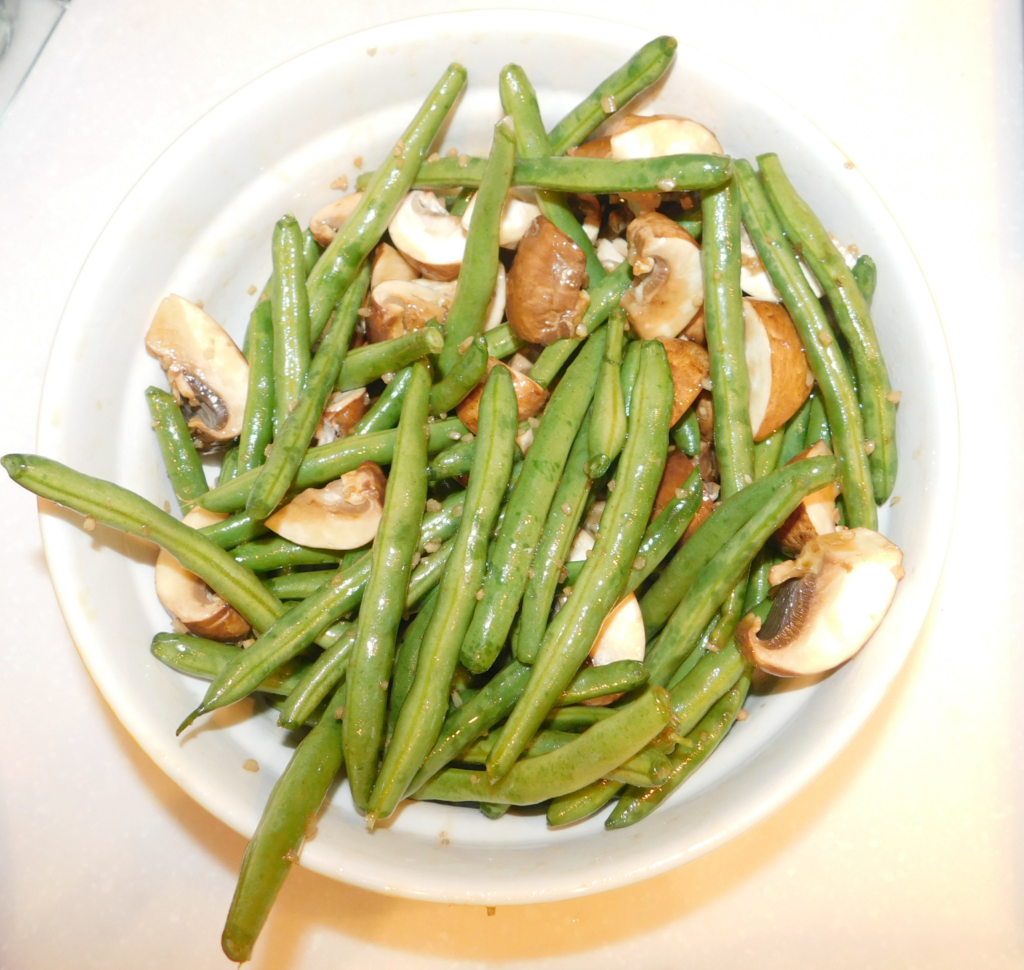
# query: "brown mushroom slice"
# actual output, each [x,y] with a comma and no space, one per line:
[400,306]
[754,279]
[597,148]
[815,515]
[342,515]
[545,299]
[678,468]
[207,372]
[668,286]
[694,330]
[325,224]
[530,396]
[690,366]
[495,312]
[427,236]
[652,136]
[342,413]
[517,215]
[780,379]
[828,602]
[186,597]
[388,265]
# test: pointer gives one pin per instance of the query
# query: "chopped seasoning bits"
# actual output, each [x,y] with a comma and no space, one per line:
[608,104]
[341,182]
[463,161]
[432,547]
[567,509]
[639,563]
[358,161]
[252,290]
[339,713]
[824,337]
[741,714]
[869,447]
[666,185]
[480,594]
[365,311]
[434,157]
[89,524]
[748,480]
[455,435]
[893,397]
[433,505]
[251,764]
[452,152]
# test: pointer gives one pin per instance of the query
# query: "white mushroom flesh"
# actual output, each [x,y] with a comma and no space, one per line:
[389,265]
[759,364]
[581,545]
[400,306]
[516,216]
[496,308]
[427,236]
[754,279]
[325,224]
[611,252]
[621,636]
[341,413]
[524,439]
[664,136]
[849,253]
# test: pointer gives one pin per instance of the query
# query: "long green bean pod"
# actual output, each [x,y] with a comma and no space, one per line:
[387,409]
[273,552]
[823,354]
[766,453]
[466,372]
[420,720]
[290,314]
[452,462]
[384,597]
[502,342]
[406,658]
[795,433]
[363,229]
[296,430]
[228,465]
[728,567]
[293,804]
[366,364]
[184,467]
[121,509]
[850,308]
[528,508]
[608,427]
[604,574]
[818,428]
[711,678]
[582,803]
[258,419]
[686,434]
[234,530]
[575,718]
[866,274]
[479,270]
[318,680]
[613,93]
[594,682]
[637,803]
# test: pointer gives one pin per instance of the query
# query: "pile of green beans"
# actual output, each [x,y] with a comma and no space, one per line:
[450,658]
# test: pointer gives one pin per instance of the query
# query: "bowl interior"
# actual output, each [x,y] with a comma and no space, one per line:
[199,224]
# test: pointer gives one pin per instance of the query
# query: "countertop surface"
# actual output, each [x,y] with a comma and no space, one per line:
[907,852]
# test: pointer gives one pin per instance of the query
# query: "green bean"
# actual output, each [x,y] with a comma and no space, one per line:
[582,803]
[723,324]
[613,678]
[502,342]
[368,363]
[541,743]
[796,432]
[384,597]
[594,754]
[293,804]
[319,679]
[766,453]
[387,409]
[758,585]
[575,718]
[637,803]
[364,228]
[184,467]
[528,508]
[563,519]
[234,530]
[696,655]
[604,575]
[258,419]
[608,427]
[638,73]
[729,565]
[475,718]
[117,507]
[273,552]
[228,465]
[817,423]
[420,720]
[866,275]
[666,530]
[492,811]
[302,585]
[686,434]
[520,101]
[296,428]
[479,271]
[850,308]
[311,251]
[466,372]
[328,462]
[406,658]
[604,297]
[290,314]
[731,612]
[453,462]
[693,222]
[458,205]
[712,677]
[823,353]
[199,657]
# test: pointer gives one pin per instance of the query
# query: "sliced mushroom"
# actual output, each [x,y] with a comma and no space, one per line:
[694,330]
[754,279]
[400,306]
[587,209]
[521,364]
[668,287]
[815,515]
[592,523]
[342,515]
[582,543]
[530,397]
[828,602]
[780,379]
[427,236]
[690,366]
[516,217]
[621,637]
[207,372]
[185,596]
[545,296]
[342,413]
[495,312]
[611,252]
[524,439]
[678,468]
[325,224]
[596,148]
[651,136]
[389,265]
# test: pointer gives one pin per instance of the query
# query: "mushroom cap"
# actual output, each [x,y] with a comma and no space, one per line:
[185,596]
[545,300]
[690,366]
[652,136]
[815,515]
[207,372]
[325,224]
[828,603]
[516,217]
[668,285]
[342,515]
[400,306]
[342,413]
[530,396]
[621,636]
[427,236]
[678,468]
[780,379]
[388,265]
[754,278]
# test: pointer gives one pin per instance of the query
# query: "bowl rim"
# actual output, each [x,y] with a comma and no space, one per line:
[164,751]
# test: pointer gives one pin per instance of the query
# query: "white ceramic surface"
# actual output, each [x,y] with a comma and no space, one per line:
[198,223]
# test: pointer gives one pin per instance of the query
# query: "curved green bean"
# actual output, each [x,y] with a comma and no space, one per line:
[406,658]
[273,552]
[613,678]
[795,433]
[866,274]
[502,342]
[184,467]
[370,362]
[817,423]
[711,678]
[766,453]
[465,373]
[387,409]
[258,419]
[228,465]
[582,803]
[608,427]
[318,680]
[686,434]
[234,530]
[290,315]
[575,718]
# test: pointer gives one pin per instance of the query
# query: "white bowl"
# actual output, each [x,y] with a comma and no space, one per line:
[199,223]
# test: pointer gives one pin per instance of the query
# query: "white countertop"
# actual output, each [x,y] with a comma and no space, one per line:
[908,851]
